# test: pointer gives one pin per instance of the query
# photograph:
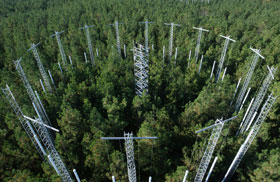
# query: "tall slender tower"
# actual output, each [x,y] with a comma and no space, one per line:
[200,30]
[41,67]
[86,28]
[171,38]
[221,63]
[146,35]
[57,35]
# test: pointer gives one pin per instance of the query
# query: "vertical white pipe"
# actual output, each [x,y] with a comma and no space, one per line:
[212,69]
[186,175]
[76,175]
[211,169]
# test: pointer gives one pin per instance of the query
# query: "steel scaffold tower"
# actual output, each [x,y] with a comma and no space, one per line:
[86,27]
[41,67]
[198,41]
[31,94]
[50,151]
[116,24]
[221,63]
[57,35]
[258,99]
[129,149]
[248,78]
[216,132]
[171,38]
[141,70]
[254,131]
[146,35]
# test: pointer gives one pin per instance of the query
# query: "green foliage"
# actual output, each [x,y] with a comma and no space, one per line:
[94,101]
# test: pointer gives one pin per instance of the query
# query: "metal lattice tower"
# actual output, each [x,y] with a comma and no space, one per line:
[209,151]
[43,133]
[116,24]
[248,78]
[254,131]
[31,94]
[41,67]
[171,38]
[89,42]
[25,123]
[131,169]
[57,35]
[216,132]
[141,70]
[198,41]
[128,137]
[146,36]
[53,155]
[221,63]
[258,99]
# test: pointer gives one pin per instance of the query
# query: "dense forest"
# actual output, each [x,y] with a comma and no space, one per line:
[92,101]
